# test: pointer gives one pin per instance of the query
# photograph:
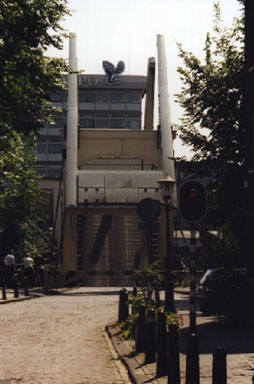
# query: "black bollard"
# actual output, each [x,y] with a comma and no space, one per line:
[219,366]
[157,297]
[173,355]
[134,308]
[16,289]
[162,364]
[3,291]
[140,331]
[192,360]
[150,352]
[26,291]
[123,312]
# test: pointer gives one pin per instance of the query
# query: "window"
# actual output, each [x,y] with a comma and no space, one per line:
[133,98]
[55,148]
[86,123]
[41,148]
[56,97]
[102,97]
[101,123]
[54,172]
[41,171]
[86,97]
[117,123]
[118,97]
[58,123]
[133,124]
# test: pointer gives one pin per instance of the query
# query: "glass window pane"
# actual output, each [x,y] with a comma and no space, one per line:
[86,97]
[118,97]
[54,173]
[133,124]
[133,98]
[55,148]
[102,97]
[101,123]
[86,123]
[41,147]
[56,97]
[117,123]
[57,123]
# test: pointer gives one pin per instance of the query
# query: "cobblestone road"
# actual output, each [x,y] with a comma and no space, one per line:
[60,339]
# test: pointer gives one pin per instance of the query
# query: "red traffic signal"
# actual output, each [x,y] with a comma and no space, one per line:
[192,200]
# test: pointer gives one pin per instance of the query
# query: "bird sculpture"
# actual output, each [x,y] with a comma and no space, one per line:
[112,72]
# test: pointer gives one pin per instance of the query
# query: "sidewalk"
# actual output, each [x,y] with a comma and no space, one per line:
[239,345]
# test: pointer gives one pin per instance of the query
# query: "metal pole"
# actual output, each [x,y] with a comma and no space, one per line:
[72,127]
[192,281]
[169,286]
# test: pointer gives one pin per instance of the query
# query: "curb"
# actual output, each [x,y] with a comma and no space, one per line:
[35,295]
[125,356]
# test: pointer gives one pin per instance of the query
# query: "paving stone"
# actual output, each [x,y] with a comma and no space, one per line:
[60,339]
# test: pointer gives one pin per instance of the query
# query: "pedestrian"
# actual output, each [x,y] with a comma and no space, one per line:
[10,269]
[28,262]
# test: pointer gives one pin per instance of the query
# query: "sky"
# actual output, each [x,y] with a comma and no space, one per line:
[126,30]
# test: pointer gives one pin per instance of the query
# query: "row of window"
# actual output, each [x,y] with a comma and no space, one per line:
[49,147]
[110,123]
[102,122]
[101,97]
[52,173]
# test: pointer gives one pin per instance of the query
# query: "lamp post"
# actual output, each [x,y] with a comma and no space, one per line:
[167,184]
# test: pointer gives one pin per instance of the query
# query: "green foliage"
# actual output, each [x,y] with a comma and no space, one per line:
[27,29]
[174,318]
[127,327]
[211,98]
[19,195]
[149,280]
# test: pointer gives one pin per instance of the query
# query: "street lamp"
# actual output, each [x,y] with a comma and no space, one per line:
[167,184]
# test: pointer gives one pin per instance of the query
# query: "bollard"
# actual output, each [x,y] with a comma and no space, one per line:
[173,355]
[134,309]
[219,366]
[192,360]
[162,364]
[140,331]
[157,298]
[26,286]
[123,312]
[3,291]
[16,289]
[150,352]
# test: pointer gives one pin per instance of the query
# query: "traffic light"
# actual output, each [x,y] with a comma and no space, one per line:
[192,200]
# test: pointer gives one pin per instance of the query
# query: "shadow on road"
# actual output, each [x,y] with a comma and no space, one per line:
[212,333]
[92,293]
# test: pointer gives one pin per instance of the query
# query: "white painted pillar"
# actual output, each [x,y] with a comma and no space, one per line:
[72,128]
[165,119]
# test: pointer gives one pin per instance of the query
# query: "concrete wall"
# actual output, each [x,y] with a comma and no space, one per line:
[118,144]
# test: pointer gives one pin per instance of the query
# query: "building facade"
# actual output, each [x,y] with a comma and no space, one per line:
[119,163]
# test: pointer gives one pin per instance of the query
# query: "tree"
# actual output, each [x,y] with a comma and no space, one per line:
[211,97]
[27,29]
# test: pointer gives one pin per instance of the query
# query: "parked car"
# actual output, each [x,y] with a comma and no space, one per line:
[219,288]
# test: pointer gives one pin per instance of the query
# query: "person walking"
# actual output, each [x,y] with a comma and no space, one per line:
[10,268]
[28,262]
